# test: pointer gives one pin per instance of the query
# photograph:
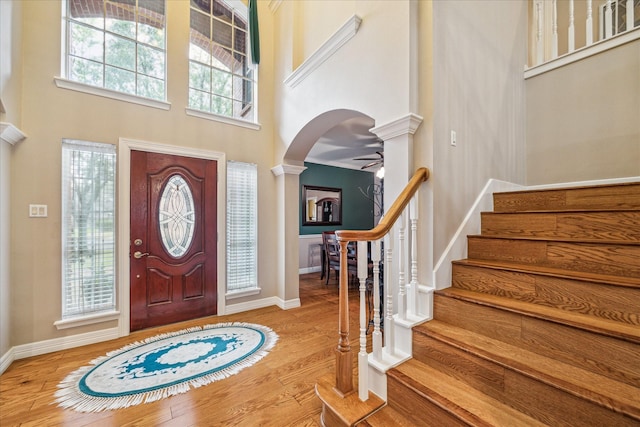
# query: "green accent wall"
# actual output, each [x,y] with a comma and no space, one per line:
[357,210]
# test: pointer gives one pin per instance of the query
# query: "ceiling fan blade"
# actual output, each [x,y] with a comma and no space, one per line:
[368,165]
[365,158]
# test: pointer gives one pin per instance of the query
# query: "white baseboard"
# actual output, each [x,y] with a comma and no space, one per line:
[261,303]
[6,360]
[457,247]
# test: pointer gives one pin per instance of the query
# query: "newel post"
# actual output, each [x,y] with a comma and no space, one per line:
[344,357]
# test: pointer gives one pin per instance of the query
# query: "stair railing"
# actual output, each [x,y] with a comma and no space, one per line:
[407,306]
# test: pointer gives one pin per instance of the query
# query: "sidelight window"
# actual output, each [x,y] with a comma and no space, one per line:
[88,228]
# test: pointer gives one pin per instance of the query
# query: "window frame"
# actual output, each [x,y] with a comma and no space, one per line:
[249,171]
[76,314]
[238,8]
[66,82]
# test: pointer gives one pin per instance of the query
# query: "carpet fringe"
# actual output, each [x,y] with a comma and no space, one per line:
[70,396]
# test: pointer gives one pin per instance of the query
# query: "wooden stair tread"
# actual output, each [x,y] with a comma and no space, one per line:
[607,279]
[460,399]
[387,416]
[556,239]
[598,325]
[605,391]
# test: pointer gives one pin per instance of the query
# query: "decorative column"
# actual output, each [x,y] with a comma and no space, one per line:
[288,202]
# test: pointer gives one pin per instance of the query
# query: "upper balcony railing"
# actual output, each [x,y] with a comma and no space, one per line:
[562,31]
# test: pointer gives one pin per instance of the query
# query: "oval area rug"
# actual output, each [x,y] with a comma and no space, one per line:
[164,365]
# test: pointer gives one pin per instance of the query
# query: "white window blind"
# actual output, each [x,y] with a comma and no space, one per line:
[88,228]
[242,227]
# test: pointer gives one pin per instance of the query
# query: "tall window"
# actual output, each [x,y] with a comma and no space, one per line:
[221,79]
[242,226]
[88,227]
[117,45]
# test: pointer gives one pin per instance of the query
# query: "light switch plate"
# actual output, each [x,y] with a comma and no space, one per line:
[38,211]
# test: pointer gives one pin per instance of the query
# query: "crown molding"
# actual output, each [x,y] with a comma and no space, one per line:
[328,48]
[11,134]
[287,169]
[402,126]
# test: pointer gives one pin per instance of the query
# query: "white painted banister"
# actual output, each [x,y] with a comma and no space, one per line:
[614,19]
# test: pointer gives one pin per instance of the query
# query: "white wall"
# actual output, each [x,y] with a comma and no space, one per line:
[479,53]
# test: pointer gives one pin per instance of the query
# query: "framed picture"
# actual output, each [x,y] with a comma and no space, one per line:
[321,205]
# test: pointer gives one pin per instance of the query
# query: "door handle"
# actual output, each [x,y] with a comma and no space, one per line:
[138,254]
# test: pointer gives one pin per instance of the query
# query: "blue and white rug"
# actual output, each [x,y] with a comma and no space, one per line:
[164,365]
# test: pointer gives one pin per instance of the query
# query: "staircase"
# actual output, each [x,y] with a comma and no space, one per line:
[541,325]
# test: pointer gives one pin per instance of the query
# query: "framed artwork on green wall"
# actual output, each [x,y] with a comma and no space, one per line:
[321,205]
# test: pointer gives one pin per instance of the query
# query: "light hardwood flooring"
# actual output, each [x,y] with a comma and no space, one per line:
[277,391]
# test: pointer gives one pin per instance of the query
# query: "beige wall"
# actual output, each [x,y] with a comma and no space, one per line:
[583,120]
[51,114]
[479,56]
[10,97]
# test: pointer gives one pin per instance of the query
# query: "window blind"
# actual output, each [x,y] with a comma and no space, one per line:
[88,227]
[242,227]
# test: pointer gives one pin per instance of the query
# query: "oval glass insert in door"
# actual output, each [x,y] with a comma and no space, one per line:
[176,216]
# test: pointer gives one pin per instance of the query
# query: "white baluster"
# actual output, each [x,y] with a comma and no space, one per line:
[363,365]
[539,22]
[377,334]
[608,20]
[554,27]
[402,291]
[589,23]
[630,17]
[413,218]
[389,337]
[572,30]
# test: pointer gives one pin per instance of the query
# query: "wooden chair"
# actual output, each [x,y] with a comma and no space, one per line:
[331,254]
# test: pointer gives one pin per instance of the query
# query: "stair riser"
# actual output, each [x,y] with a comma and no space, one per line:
[416,407]
[616,260]
[606,226]
[624,196]
[607,356]
[620,304]
[530,396]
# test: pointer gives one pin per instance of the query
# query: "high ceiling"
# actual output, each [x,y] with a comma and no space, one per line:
[345,142]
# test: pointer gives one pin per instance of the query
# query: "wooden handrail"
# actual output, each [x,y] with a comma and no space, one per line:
[385,224]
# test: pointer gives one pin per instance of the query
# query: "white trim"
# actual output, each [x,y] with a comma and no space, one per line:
[124,230]
[585,52]
[287,169]
[404,125]
[328,48]
[11,134]
[261,303]
[310,236]
[111,94]
[308,270]
[6,360]
[64,343]
[457,247]
[243,293]
[223,119]
[91,319]
[274,5]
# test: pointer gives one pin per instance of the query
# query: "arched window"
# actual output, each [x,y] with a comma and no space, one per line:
[221,78]
[117,45]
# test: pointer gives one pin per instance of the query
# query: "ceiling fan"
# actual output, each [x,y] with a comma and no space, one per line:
[373,160]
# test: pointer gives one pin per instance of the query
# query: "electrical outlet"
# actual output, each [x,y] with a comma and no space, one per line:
[453,138]
[38,211]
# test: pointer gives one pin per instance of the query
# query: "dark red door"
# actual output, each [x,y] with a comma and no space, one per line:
[173,239]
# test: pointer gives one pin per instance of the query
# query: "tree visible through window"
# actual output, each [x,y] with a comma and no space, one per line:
[221,79]
[117,45]
[88,228]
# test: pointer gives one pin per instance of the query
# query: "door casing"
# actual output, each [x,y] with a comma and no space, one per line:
[125,146]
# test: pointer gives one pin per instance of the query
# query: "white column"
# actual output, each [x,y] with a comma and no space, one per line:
[630,17]
[554,30]
[539,26]
[608,20]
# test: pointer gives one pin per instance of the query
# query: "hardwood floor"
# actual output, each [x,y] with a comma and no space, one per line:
[277,391]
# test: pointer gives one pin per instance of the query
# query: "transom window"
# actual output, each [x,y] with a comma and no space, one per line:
[117,45]
[221,79]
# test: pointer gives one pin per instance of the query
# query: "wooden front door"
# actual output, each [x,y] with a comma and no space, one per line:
[173,273]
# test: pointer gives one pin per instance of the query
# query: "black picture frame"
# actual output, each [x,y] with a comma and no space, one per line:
[321,205]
